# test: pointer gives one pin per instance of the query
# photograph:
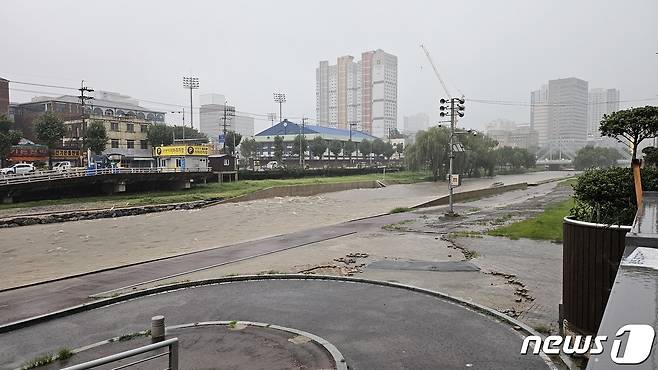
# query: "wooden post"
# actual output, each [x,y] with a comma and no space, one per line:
[635,165]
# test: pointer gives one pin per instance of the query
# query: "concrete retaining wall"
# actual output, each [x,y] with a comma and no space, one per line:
[304,190]
[471,194]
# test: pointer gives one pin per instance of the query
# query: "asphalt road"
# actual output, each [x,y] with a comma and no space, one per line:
[375,327]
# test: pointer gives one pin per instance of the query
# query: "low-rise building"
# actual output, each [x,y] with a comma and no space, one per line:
[289,130]
[182,156]
[127,142]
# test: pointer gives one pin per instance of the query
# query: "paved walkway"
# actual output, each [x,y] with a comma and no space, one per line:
[374,327]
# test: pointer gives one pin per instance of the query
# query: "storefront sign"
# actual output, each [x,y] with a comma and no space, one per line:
[180,150]
[66,153]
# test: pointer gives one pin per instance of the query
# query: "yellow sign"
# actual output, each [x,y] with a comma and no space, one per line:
[66,153]
[180,150]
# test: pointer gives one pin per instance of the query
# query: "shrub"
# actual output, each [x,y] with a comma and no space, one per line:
[607,196]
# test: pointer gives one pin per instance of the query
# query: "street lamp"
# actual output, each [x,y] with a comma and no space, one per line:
[191,83]
[280,98]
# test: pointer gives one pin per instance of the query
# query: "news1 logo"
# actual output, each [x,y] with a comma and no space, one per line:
[637,349]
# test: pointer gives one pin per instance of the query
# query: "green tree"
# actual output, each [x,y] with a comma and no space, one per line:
[335,147]
[378,147]
[49,130]
[278,149]
[388,150]
[248,148]
[399,148]
[95,137]
[8,137]
[589,157]
[299,139]
[189,133]
[318,146]
[232,136]
[430,151]
[160,135]
[349,148]
[365,148]
[650,156]
[631,126]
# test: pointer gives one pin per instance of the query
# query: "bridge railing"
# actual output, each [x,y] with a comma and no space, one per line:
[82,172]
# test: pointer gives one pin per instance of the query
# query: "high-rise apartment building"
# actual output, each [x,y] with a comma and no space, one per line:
[4,96]
[567,116]
[539,114]
[600,102]
[211,115]
[415,123]
[358,94]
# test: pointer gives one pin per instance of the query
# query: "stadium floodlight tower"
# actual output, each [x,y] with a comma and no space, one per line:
[280,98]
[191,83]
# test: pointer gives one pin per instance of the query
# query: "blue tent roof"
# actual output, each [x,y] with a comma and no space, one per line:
[286,127]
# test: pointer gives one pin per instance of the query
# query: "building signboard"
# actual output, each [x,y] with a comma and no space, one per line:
[180,150]
[66,153]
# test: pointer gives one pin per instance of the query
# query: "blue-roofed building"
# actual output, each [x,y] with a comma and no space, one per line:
[289,131]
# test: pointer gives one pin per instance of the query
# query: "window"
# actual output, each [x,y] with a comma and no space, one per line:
[143,144]
[179,162]
[130,127]
[143,128]
[114,126]
[115,143]
[130,144]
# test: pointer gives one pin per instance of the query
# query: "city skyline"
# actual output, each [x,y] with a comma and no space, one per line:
[501,65]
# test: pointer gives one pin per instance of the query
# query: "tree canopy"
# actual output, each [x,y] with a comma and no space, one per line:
[335,147]
[95,137]
[8,137]
[160,135]
[278,148]
[590,157]
[49,129]
[318,146]
[232,136]
[631,126]
[248,148]
[299,139]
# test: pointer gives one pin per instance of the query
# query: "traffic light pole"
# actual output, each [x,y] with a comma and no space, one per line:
[451,211]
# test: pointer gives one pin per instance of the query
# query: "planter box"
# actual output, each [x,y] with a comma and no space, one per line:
[590,258]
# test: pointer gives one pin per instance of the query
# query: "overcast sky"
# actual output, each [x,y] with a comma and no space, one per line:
[499,50]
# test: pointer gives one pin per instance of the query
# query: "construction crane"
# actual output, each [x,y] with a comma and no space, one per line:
[436,71]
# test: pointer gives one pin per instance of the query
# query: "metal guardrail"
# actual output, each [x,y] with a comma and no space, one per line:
[172,353]
[83,172]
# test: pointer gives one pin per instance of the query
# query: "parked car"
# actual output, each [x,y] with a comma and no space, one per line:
[19,168]
[62,166]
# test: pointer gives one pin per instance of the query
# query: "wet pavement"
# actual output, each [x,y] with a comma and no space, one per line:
[374,327]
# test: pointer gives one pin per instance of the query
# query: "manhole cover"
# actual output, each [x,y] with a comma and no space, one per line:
[423,265]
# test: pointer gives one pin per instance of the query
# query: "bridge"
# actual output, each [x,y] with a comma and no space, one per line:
[83,181]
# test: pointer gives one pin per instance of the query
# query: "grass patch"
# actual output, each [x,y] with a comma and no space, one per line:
[40,360]
[400,210]
[397,226]
[543,329]
[545,226]
[216,190]
[232,324]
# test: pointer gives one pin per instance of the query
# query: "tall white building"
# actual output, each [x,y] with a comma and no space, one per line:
[211,117]
[600,102]
[416,122]
[358,94]
[567,116]
[539,114]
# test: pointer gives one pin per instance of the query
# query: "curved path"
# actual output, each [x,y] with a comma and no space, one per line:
[374,326]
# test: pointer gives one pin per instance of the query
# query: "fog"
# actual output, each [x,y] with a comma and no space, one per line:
[246,50]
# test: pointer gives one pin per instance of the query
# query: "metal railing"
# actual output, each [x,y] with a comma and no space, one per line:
[172,352]
[83,172]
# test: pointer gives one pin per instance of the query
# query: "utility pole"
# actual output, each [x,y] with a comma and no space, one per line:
[229,112]
[271,117]
[302,138]
[456,108]
[83,89]
[191,83]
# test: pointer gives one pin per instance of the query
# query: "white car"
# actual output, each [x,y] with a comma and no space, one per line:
[62,166]
[17,169]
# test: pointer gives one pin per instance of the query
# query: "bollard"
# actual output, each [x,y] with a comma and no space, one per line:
[157,328]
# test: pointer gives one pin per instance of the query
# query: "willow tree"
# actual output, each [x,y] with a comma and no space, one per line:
[430,151]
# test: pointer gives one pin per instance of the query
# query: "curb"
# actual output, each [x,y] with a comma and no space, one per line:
[176,286]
